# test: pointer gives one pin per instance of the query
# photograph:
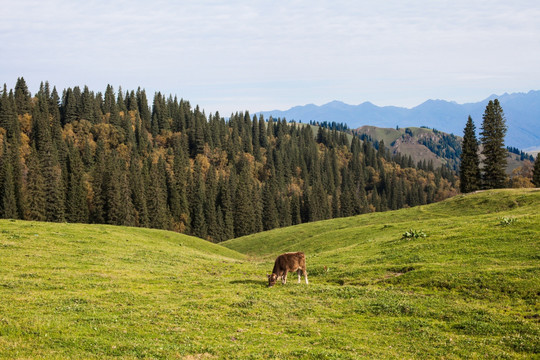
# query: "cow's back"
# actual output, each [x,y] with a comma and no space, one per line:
[289,262]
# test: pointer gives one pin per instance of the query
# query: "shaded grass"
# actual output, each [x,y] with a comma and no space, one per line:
[469,289]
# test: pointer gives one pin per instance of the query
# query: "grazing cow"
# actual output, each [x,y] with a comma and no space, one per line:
[288,262]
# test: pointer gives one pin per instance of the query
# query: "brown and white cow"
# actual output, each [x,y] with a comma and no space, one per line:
[294,261]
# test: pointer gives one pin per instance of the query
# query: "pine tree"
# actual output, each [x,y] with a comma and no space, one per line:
[120,210]
[159,214]
[244,209]
[270,213]
[99,183]
[199,227]
[210,209]
[76,206]
[54,188]
[35,190]
[469,173]
[536,171]
[8,204]
[138,194]
[494,151]
[22,97]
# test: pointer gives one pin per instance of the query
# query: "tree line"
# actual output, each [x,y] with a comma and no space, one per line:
[114,158]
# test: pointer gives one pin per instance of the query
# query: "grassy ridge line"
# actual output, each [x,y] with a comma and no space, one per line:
[333,234]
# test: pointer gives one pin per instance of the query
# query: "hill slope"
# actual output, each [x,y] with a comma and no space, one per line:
[522,112]
[468,290]
[470,278]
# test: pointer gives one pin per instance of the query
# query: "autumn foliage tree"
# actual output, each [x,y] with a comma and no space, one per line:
[111,157]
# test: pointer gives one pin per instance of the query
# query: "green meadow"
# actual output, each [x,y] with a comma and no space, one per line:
[464,285]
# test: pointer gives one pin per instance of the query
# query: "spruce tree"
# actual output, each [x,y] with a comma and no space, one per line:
[199,227]
[120,210]
[494,151]
[54,188]
[8,204]
[469,173]
[22,97]
[244,208]
[270,212]
[76,205]
[159,214]
[98,181]
[536,171]
[35,189]
[138,194]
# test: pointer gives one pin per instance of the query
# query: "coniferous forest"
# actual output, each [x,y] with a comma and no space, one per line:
[118,158]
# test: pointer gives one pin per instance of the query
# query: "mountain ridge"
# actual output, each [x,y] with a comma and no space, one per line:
[522,112]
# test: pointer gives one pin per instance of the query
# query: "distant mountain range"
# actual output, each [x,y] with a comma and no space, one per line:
[522,111]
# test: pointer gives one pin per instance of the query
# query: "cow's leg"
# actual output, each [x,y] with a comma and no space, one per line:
[305,275]
[284,277]
[299,274]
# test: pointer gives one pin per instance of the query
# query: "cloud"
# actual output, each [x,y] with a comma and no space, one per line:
[350,49]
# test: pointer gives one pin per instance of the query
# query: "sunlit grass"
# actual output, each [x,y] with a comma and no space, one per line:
[469,289]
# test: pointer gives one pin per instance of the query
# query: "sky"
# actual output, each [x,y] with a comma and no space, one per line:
[256,55]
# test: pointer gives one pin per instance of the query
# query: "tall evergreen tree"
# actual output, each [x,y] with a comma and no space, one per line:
[138,194]
[22,97]
[536,171]
[52,171]
[270,213]
[120,210]
[494,151]
[469,173]
[76,205]
[244,209]
[199,227]
[35,190]
[159,214]
[8,204]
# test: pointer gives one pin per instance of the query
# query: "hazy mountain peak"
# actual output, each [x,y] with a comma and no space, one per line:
[522,111]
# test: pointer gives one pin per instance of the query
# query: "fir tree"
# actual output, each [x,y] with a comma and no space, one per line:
[138,194]
[120,210]
[199,227]
[494,151]
[35,190]
[244,210]
[22,97]
[8,204]
[270,213]
[76,206]
[159,214]
[536,171]
[469,174]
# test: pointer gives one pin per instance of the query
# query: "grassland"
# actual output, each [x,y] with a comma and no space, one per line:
[470,289]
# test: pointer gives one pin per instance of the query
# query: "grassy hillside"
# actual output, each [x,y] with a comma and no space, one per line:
[470,289]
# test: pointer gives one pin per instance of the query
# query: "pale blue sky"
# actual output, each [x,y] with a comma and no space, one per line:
[263,55]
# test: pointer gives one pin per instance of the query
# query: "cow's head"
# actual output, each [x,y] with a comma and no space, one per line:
[272,279]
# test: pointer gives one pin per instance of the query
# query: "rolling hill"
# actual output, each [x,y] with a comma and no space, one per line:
[522,112]
[470,289]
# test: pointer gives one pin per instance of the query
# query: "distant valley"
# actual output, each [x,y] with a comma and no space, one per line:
[522,111]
